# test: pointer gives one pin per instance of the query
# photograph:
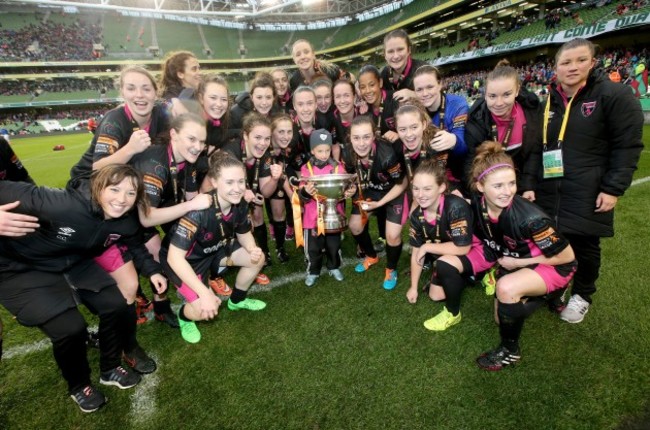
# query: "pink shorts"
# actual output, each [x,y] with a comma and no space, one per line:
[111,259]
[552,279]
[188,294]
[476,257]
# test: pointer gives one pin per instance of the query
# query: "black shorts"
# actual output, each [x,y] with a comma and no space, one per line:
[210,265]
[396,211]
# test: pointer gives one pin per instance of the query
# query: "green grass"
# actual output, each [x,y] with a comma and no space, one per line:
[351,355]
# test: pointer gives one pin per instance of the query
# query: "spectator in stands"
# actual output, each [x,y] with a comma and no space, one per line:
[580,182]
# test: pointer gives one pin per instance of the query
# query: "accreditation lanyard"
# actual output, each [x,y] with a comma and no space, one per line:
[552,161]
[424,222]
[218,214]
[398,81]
[173,171]
[380,112]
[506,137]
[486,219]
[408,163]
[256,169]
[441,111]
[364,184]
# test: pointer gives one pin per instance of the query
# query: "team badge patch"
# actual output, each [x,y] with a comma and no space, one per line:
[588,108]
[510,243]
[322,136]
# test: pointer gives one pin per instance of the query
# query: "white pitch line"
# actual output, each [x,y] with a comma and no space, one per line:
[640,181]
[143,399]
[19,351]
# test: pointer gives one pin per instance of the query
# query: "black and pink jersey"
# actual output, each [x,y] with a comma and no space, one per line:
[384,115]
[165,181]
[380,173]
[521,231]
[453,223]
[259,168]
[206,232]
[114,131]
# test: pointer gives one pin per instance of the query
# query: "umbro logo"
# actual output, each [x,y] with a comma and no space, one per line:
[64,233]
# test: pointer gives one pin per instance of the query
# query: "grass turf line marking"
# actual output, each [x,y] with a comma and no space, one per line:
[640,181]
[19,351]
[143,399]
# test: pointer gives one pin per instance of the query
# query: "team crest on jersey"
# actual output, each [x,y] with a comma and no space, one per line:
[111,239]
[390,122]
[588,108]
[208,236]
[510,243]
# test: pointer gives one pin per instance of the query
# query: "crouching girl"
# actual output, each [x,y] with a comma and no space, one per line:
[205,241]
[441,226]
[535,260]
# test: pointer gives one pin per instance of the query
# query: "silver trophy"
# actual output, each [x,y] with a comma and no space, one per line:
[331,188]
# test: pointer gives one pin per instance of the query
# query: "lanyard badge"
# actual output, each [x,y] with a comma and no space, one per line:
[552,160]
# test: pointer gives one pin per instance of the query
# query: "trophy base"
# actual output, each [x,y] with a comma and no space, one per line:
[336,225]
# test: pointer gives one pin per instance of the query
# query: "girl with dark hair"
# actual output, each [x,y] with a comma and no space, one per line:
[46,272]
[343,94]
[261,99]
[262,175]
[591,144]
[441,228]
[180,75]
[381,187]
[285,153]
[448,112]
[171,188]
[511,116]
[282,89]
[381,105]
[397,75]
[206,240]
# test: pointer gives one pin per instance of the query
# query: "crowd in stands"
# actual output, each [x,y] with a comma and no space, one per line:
[22,123]
[536,76]
[56,85]
[49,41]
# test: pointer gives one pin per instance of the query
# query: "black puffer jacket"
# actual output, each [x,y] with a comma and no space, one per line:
[479,129]
[72,229]
[601,149]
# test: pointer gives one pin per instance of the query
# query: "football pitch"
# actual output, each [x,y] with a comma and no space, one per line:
[351,355]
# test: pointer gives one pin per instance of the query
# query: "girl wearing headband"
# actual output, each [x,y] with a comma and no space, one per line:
[535,261]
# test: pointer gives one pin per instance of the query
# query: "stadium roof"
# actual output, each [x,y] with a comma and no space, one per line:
[252,10]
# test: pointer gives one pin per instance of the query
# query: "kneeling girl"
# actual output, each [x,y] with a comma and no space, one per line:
[206,240]
[535,260]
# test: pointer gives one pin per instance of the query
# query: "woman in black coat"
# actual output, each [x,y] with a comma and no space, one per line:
[589,165]
[45,273]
